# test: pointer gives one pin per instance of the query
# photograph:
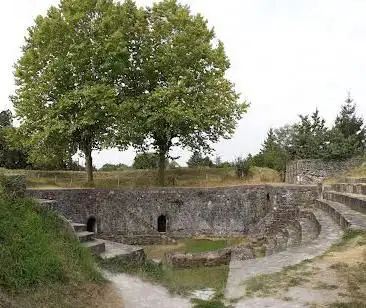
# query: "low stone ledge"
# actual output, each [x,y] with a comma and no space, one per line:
[199,259]
[137,239]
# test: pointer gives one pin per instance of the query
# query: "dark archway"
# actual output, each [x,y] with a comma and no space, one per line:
[91,225]
[268,197]
[162,223]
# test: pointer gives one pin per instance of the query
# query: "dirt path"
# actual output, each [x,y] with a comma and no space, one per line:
[140,294]
[242,270]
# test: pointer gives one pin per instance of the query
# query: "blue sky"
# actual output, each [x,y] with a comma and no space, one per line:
[287,58]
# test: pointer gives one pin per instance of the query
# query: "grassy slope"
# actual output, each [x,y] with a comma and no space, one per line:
[41,265]
[181,177]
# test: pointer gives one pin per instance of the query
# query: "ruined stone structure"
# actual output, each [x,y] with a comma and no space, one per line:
[314,171]
[124,214]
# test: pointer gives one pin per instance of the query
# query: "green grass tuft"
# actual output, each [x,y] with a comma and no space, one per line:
[214,303]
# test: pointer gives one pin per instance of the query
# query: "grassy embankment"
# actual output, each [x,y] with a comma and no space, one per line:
[131,178]
[359,172]
[42,265]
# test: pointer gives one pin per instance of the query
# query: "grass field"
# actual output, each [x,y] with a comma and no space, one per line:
[192,245]
[131,178]
[180,281]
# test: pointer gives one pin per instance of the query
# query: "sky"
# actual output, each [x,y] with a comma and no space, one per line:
[287,58]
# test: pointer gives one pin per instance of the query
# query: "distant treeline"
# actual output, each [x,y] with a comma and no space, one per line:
[310,138]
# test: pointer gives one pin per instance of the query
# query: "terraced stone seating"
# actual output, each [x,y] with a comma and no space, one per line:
[281,229]
[346,203]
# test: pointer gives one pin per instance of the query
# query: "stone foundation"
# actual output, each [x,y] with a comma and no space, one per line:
[191,260]
[314,171]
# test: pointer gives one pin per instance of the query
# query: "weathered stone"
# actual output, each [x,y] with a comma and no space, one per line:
[212,211]
[191,260]
[313,171]
[242,252]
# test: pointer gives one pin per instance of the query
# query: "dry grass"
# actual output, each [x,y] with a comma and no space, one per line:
[131,178]
[340,274]
[357,172]
[59,296]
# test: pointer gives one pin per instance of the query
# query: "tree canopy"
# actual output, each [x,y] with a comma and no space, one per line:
[197,160]
[66,94]
[182,97]
[310,138]
[10,157]
[95,73]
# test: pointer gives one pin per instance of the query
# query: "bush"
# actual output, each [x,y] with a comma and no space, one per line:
[12,186]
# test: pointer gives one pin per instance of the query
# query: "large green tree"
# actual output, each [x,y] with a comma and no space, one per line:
[310,137]
[273,153]
[197,160]
[180,94]
[67,77]
[147,160]
[348,135]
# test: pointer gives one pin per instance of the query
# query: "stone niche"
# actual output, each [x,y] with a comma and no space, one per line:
[199,259]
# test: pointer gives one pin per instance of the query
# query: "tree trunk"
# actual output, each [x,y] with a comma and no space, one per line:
[161,166]
[89,165]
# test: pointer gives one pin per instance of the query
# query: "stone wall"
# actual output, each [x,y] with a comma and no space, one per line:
[188,211]
[314,171]
[198,259]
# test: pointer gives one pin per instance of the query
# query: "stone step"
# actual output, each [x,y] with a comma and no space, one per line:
[242,270]
[78,227]
[123,252]
[344,216]
[354,180]
[355,201]
[357,188]
[271,245]
[310,227]
[85,236]
[294,233]
[95,246]
[281,240]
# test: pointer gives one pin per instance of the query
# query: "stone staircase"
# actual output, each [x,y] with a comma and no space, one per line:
[345,203]
[104,249]
[95,246]
[107,249]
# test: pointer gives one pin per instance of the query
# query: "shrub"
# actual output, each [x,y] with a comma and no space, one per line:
[12,186]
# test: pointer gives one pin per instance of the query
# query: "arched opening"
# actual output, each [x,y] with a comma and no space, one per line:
[91,225]
[162,223]
[268,197]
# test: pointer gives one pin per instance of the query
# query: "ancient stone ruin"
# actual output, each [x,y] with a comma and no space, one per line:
[290,219]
